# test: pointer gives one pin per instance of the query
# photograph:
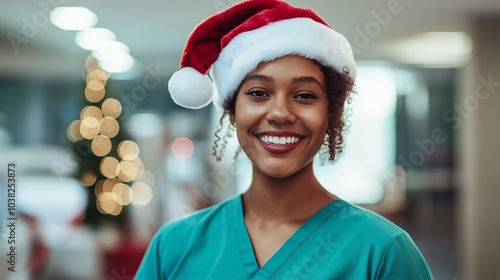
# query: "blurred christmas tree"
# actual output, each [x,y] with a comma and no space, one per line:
[110,166]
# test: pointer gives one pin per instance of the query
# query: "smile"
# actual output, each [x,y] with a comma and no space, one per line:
[275,140]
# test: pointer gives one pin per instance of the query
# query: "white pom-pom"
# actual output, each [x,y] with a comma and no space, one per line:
[191,89]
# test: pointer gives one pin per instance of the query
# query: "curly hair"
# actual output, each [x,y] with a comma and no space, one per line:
[340,88]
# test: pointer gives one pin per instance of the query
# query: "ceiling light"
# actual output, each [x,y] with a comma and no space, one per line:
[122,62]
[95,38]
[434,48]
[113,57]
[73,18]
[110,51]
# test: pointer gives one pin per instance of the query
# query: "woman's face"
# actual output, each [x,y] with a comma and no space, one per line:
[281,115]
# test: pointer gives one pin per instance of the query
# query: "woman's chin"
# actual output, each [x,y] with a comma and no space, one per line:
[276,168]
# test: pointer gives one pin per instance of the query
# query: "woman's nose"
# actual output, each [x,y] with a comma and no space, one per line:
[280,111]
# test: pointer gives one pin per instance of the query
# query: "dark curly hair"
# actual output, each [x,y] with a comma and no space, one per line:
[340,88]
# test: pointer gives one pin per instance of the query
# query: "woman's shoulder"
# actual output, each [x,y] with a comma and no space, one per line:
[378,241]
[197,220]
[176,237]
[365,222]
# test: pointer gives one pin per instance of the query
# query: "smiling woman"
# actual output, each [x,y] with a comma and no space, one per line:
[285,97]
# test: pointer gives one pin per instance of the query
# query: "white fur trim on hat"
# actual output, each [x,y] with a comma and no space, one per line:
[300,36]
[191,89]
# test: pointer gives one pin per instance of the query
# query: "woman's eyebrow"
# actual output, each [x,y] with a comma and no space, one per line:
[258,77]
[307,79]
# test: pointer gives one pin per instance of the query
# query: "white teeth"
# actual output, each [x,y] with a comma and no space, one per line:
[279,140]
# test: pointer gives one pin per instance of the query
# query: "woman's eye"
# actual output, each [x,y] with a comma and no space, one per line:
[257,93]
[306,95]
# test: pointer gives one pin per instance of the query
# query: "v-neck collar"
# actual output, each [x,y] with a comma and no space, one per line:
[289,247]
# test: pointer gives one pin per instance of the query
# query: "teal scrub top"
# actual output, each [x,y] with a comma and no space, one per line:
[340,241]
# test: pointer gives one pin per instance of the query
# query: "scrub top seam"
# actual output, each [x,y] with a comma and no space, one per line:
[329,212]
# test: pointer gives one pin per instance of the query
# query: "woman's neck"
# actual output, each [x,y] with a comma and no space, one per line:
[283,200]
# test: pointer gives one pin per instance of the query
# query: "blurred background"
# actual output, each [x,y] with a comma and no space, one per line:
[103,157]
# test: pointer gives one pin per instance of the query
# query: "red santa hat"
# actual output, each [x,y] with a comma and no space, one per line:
[231,43]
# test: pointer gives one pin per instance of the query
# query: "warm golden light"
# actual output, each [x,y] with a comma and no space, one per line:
[90,63]
[128,150]
[98,75]
[95,85]
[98,206]
[110,167]
[141,194]
[109,184]
[109,127]
[74,131]
[91,111]
[118,209]
[89,128]
[108,205]
[111,108]
[125,178]
[101,145]
[94,92]
[106,202]
[88,178]
[98,189]
[122,194]
[129,169]
[140,166]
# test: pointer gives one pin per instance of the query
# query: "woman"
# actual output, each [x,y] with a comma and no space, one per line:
[282,75]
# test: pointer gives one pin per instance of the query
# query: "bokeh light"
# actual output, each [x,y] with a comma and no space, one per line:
[73,18]
[91,111]
[110,167]
[94,92]
[128,150]
[106,204]
[95,85]
[98,75]
[182,148]
[105,198]
[101,145]
[122,194]
[98,188]
[129,168]
[109,127]
[140,166]
[141,194]
[93,38]
[109,184]
[118,209]
[111,108]
[89,128]
[74,131]
[90,63]
[88,178]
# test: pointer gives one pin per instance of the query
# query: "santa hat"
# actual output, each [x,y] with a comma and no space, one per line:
[233,42]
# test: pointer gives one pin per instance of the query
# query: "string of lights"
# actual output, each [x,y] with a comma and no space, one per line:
[126,181]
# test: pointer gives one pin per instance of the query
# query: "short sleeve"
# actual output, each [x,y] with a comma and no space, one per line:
[403,260]
[149,268]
